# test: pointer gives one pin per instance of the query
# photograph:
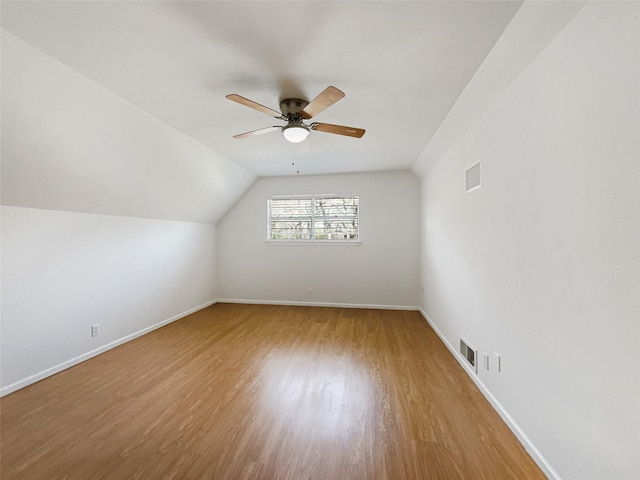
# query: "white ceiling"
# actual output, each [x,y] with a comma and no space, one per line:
[402,65]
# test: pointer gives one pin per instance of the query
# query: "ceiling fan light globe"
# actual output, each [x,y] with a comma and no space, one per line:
[295,133]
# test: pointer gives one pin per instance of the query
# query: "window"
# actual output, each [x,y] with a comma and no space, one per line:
[313,218]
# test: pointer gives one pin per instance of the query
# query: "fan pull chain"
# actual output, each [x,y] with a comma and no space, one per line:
[293,163]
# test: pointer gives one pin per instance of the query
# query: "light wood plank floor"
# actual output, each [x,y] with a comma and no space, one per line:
[264,392]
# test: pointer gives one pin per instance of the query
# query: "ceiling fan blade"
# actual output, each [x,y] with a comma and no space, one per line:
[257,132]
[328,97]
[339,129]
[256,106]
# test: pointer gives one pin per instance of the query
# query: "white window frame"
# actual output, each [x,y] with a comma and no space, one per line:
[312,241]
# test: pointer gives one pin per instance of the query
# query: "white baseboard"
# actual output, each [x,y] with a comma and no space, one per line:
[317,304]
[526,442]
[86,356]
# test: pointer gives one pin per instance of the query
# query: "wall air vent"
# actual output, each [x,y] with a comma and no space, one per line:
[470,354]
[473,177]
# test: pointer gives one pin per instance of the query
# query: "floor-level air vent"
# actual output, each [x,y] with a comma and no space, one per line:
[470,354]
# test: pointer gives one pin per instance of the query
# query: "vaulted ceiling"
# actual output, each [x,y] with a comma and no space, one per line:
[118,107]
[402,65]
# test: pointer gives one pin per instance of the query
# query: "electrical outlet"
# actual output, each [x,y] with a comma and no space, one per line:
[485,357]
[95,330]
[498,362]
[309,291]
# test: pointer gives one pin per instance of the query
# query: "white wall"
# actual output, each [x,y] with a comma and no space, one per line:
[63,272]
[542,263]
[69,145]
[382,270]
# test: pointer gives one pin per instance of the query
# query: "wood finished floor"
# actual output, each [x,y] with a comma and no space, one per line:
[264,392]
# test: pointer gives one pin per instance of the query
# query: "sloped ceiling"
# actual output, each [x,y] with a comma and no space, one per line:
[69,144]
[402,66]
[119,107]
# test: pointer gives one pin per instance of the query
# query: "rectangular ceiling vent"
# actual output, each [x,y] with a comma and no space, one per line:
[470,354]
[473,178]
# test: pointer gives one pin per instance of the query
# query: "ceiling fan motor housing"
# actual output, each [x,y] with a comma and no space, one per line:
[291,107]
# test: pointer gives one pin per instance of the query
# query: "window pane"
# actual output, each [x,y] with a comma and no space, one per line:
[336,207]
[291,208]
[313,218]
[336,229]
[290,230]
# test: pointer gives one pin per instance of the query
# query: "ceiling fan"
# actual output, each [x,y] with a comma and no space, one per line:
[294,111]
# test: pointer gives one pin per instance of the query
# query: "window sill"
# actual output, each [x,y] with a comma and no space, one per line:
[352,243]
